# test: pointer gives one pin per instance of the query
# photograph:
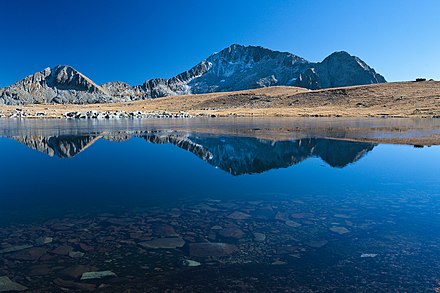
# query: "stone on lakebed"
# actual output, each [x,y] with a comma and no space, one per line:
[7,285]
[211,249]
[163,243]
[97,275]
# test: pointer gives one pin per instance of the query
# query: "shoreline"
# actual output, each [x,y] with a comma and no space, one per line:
[29,112]
[403,131]
[394,99]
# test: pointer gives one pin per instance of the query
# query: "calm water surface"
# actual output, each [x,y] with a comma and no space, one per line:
[173,206]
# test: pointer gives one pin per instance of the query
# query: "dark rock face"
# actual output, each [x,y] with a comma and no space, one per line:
[337,70]
[234,68]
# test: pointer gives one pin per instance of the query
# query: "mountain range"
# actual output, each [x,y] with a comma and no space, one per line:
[235,155]
[234,68]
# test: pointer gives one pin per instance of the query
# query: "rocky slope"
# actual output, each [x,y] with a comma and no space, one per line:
[234,68]
[247,67]
[61,85]
[337,70]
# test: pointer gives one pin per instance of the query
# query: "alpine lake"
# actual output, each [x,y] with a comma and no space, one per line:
[220,205]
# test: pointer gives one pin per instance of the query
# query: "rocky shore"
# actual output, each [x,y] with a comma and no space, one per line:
[124,115]
[400,99]
[93,114]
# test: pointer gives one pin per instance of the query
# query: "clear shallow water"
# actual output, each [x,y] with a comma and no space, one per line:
[309,214]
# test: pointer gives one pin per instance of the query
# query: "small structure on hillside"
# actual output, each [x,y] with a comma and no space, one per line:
[420,79]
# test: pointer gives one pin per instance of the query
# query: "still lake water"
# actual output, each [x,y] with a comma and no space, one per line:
[190,206]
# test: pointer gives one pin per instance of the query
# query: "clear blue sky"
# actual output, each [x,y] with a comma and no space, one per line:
[134,40]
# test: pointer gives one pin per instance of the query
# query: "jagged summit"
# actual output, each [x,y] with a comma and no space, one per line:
[236,67]
[250,53]
[65,77]
[59,84]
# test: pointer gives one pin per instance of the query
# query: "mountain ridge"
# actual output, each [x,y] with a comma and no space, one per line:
[234,68]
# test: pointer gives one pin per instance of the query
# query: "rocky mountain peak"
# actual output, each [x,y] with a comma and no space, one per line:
[65,77]
[337,70]
[234,68]
[247,54]
[59,84]
[339,54]
[62,77]
[345,58]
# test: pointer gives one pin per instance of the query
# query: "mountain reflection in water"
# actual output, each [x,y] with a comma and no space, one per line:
[158,206]
[236,155]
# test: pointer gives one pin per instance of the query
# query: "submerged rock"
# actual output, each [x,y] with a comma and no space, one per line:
[97,275]
[342,216]
[7,285]
[339,230]
[74,285]
[191,263]
[76,254]
[211,249]
[163,243]
[280,216]
[317,243]
[293,224]
[235,233]
[239,216]
[259,237]
[165,230]
[62,250]
[76,271]
[40,270]
[301,215]
[43,240]
[85,247]
[15,248]
[368,255]
[31,254]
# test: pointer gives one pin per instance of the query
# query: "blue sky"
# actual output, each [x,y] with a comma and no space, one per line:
[134,40]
